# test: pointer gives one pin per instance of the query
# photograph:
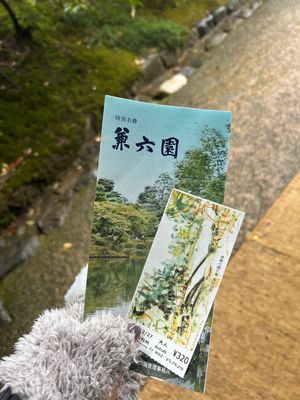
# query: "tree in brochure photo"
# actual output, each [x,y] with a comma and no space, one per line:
[146,150]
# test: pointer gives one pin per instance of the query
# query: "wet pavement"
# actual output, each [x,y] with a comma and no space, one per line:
[255,74]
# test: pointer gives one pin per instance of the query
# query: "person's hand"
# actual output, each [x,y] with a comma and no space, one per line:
[66,357]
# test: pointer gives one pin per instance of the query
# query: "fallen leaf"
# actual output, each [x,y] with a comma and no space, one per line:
[67,246]
[255,237]
[30,212]
[30,222]
[27,151]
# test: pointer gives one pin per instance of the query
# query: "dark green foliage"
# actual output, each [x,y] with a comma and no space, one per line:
[155,197]
[48,116]
[202,171]
[57,84]
[158,5]
[215,145]
[108,23]
[107,184]
[118,223]
[148,199]
[95,14]
[147,32]
[105,192]
[139,34]
[215,189]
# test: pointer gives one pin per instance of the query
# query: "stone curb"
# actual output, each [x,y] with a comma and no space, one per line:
[21,239]
[163,71]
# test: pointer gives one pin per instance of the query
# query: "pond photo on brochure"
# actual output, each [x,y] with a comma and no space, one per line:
[146,150]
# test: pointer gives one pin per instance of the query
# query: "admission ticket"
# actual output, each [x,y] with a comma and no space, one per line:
[181,277]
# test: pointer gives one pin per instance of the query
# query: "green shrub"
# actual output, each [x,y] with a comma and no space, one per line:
[141,33]
[146,32]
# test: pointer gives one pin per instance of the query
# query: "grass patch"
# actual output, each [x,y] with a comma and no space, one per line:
[188,12]
[58,84]
[140,34]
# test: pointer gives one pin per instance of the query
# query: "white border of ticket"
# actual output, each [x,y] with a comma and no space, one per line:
[171,355]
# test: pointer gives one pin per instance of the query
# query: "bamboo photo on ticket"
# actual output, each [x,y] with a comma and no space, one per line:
[184,267]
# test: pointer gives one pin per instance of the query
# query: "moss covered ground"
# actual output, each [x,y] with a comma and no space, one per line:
[52,81]
[188,12]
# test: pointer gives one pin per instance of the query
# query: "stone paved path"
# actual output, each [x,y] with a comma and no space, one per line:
[255,73]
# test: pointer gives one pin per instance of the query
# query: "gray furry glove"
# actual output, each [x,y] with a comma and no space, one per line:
[67,358]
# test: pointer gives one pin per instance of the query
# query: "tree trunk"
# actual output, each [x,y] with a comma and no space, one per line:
[197,268]
[133,12]
[20,31]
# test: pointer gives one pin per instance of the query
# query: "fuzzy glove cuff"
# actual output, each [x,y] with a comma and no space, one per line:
[67,358]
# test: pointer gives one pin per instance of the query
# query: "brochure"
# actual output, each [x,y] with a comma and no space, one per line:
[147,149]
